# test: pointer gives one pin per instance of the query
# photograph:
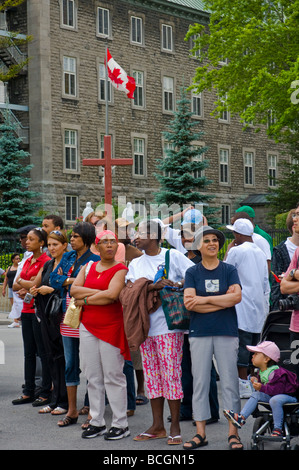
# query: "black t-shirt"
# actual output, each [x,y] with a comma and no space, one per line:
[212,282]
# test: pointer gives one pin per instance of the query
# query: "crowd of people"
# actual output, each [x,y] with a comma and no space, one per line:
[126,349]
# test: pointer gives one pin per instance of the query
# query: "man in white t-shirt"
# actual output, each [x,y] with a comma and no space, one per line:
[162,350]
[251,265]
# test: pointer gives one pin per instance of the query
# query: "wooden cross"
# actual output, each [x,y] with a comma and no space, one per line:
[107,162]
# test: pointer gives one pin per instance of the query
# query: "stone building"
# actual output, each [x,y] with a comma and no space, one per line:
[59,103]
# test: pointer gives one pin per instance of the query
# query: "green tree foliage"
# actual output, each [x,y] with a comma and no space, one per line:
[259,40]
[12,40]
[180,177]
[17,203]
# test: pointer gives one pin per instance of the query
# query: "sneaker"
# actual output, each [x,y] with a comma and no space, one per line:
[94,431]
[237,420]
[117,433]
[14,325]
[245,390]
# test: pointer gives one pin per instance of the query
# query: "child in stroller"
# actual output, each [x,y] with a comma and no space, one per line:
[274,385]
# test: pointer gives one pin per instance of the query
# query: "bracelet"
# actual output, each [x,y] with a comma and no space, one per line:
[85,300]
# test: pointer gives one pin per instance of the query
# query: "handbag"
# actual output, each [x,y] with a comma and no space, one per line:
[72,315]
[53,309]
[176,315]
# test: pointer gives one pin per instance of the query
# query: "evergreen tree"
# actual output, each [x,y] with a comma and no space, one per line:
[180,176]
[17,203]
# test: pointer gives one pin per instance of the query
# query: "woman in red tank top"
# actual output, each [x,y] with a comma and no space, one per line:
[103,342]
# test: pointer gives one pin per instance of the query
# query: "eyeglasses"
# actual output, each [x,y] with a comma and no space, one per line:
[296,214]
[214,240]
[106,242]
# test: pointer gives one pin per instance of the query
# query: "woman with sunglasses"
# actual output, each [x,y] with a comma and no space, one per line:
[50,327]
[31,330]
[104,346]
[82,237]
[212,289]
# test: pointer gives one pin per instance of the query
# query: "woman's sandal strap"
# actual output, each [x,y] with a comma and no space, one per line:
[233,436]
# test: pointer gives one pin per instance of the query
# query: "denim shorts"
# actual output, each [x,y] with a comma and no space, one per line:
[72,360]
[246,339]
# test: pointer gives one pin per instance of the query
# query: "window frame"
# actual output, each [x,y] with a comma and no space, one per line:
[133,40]
[136,137]
[222,164]
[166,38]
[66,24]
[70,73]
[247,152]
[72,198]
[102,79]
[138,88]
[272,183]
[102,33]
[172,92]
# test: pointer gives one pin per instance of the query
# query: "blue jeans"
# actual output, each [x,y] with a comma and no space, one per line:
[275,402]
[131,395]
[72,360]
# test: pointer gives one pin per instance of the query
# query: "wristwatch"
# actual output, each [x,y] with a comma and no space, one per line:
[292,273]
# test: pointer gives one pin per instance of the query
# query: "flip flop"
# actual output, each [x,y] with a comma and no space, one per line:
[144,436]
[194,445]
[174,440]
[144,400]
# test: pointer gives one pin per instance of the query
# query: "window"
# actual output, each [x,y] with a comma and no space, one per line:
[225,214]
[224,114]
[102,84]
[196,104]
[71,149]
[139,90]
[103,28]
[196,53]
[248,168]
[198,173]
[68,13]
[139,157]
[136,30]
[168,146]
[167,38]
[272,170]
[224,162]
[69,75]
[168,94]
[71,208]
[102,145]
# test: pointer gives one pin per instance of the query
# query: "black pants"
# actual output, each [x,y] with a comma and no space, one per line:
[55,356]
[33,346]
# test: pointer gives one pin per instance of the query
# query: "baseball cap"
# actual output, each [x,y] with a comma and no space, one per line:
[192,216]
[248,210]
[268,348]
[242,226]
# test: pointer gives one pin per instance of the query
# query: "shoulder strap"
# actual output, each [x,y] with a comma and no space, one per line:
[167,264]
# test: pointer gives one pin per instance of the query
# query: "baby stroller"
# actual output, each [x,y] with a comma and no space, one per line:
[276,329]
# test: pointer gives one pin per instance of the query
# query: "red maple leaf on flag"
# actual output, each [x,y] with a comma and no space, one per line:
[115,76]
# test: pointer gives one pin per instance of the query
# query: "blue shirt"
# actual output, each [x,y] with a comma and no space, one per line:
[212,282]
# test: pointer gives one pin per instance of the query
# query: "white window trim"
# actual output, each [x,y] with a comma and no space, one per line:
[252,151]
[66,26]
[141,19]
[272,154]
[221,119]
[65,127]
[228,149]
[199,144]
[76,58]
[100,62]
[199,96]
[144,138]
[136,70]
[167,111]
[167,25]
[103,35]
[77,208]
[228,207]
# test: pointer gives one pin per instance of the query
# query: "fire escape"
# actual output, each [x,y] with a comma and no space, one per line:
[11,55]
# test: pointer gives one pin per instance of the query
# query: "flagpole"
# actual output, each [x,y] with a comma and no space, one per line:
[106,92]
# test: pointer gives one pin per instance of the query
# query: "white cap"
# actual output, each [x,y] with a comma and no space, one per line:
[242,226]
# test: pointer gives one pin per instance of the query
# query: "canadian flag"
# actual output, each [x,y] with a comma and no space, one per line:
[119,77]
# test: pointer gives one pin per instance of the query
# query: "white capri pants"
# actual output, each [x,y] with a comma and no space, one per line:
[225,351]
[103,365]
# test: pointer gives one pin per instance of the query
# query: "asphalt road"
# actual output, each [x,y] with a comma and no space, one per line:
[23,428]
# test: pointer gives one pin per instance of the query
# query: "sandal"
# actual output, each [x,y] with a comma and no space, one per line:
[86,423]
[58,411]
[237,442]
[45,409]
[174,440]
[67,421]
[84,410]
[194,445]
